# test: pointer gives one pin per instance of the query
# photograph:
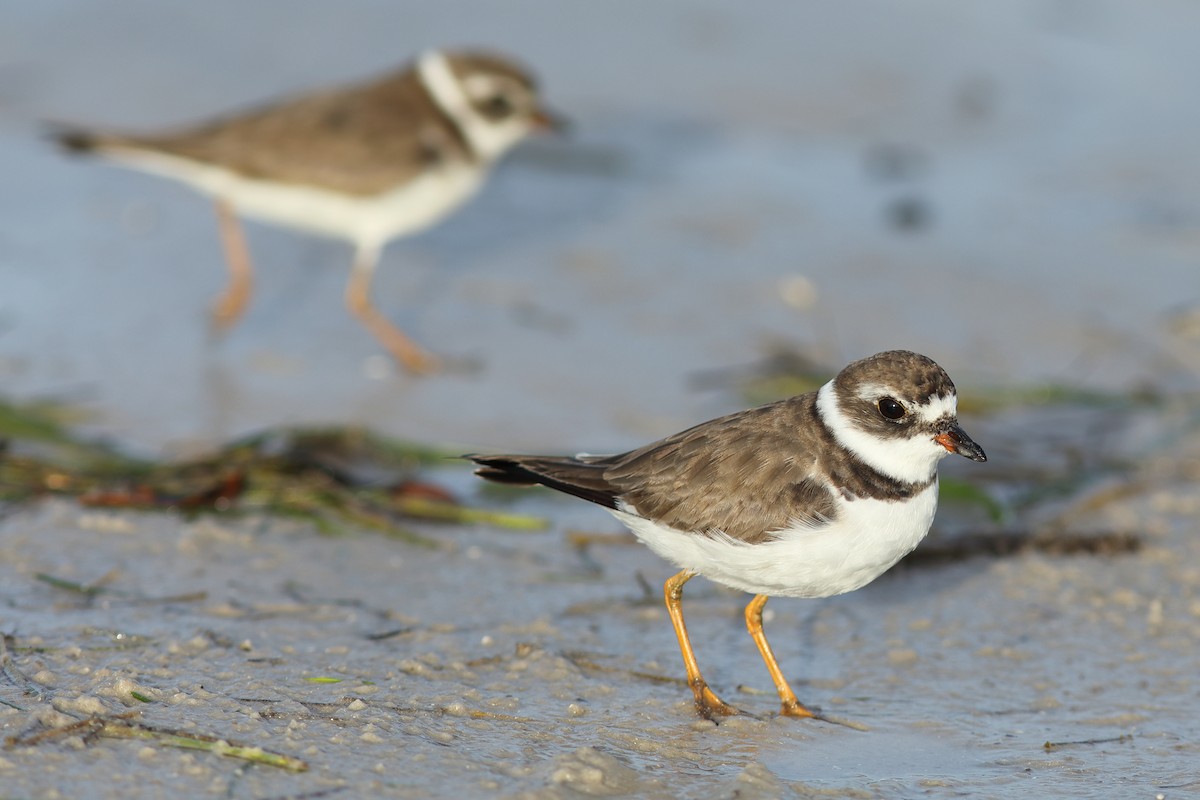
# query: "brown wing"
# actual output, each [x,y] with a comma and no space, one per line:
[748,474]
[360,139]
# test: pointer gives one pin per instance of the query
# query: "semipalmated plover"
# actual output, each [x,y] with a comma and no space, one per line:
[366,163]
[812,496]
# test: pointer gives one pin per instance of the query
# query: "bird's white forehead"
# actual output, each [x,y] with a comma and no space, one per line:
[938,406]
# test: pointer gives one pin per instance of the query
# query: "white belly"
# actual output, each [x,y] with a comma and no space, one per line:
[370,220]
[867,538]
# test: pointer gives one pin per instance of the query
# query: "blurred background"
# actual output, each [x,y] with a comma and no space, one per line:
[1009,188]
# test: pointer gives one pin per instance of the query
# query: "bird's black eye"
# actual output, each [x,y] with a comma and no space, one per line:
[891,409]
[498,106]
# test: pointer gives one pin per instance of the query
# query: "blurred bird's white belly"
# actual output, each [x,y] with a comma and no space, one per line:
[366,220]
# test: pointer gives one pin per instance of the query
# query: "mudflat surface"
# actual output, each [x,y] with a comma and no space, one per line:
[514,664]
[1009,189]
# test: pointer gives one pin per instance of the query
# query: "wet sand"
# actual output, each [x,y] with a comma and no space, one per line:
[515,665]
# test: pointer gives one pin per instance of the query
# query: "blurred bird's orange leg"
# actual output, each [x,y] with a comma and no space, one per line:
[707,702]
[408,353]
[232,302]
[791,706]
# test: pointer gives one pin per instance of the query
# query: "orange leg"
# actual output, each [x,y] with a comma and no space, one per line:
[233,300]
[791,706]
[707,702]
[411,355]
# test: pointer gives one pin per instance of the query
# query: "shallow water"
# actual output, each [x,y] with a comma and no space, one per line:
[1008,189]
[743,189]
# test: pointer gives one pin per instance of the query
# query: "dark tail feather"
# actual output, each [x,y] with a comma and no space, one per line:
[567,475]
[71,138]
[75,141]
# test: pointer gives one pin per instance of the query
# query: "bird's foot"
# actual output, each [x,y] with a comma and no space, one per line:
[708,705]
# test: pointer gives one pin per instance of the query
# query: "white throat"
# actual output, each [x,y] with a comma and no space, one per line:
[909,459]
[488,140]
